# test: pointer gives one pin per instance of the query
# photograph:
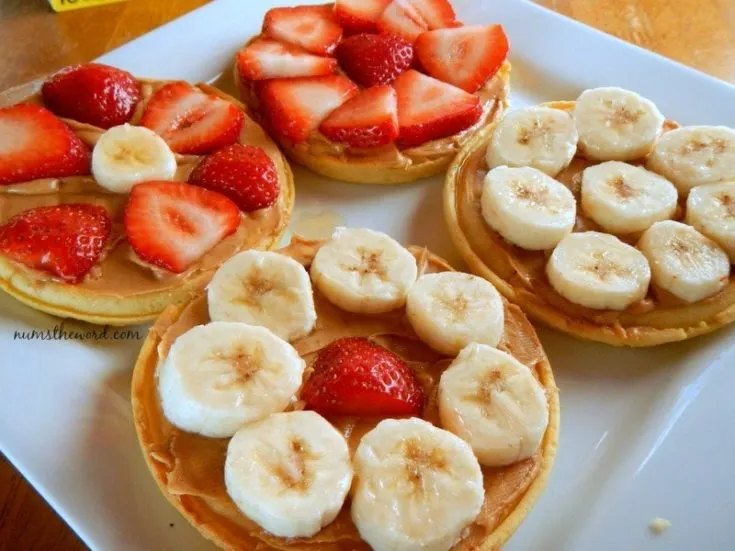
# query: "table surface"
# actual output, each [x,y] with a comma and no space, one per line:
[700,34]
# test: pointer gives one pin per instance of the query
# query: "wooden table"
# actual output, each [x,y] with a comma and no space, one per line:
[35,42]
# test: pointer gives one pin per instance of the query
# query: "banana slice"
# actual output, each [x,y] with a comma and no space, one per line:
[264,288]
[449,310]
[616,124]
[416,487]
[623,198]
[539,137]
[684,262]
[711,210]
[492,401]
[290,473]
[527,207]
[127,155]
[598,271]
[219,376]
[364,271]
[695,155]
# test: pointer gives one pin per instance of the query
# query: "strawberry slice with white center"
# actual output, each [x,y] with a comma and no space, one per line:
[191,121]
[429,109]
[265,59]
[360,16]
[410,18]
[34,143]
[296,107]
[313,28]
[172,224]
[370,119]
[464,56]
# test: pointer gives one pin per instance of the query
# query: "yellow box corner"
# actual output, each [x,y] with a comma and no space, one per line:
[66,5]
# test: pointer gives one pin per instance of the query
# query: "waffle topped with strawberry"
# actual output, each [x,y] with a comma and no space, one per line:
[374,91]
[347,395]
[119,196]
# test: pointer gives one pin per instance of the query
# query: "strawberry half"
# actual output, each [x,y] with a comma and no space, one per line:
[265,59]
[464,56]
[354,376]
[295,107]
[65,240]
[429,109]
[410,18]
[243,173]
[34,143]
[191,121]
[313,28]
[373,59]
[370,119]
[172,224]
[93,93]
[360,16]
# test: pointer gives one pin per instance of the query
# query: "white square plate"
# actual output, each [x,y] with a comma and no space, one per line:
[645,433]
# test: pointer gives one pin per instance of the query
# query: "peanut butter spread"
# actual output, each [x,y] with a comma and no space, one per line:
[189,467]
[121,272]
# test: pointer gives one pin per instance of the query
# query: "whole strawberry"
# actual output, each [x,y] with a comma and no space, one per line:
[93,93]
[243,173]
[373,59]
[355,376]
[65,240]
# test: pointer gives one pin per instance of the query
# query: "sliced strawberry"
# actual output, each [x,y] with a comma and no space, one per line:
[360,16]
[65,240]
[265,59]
[172,224]
[372,59]
[313,28]
[464,56]
[410,18]
[243,173]
[429,109]
[34,143]
[295,107]
[93,93]
[191,121]
[354,376]
[370,119]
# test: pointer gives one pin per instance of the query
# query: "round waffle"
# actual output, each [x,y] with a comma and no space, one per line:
[189,468]
[519,274]
[120,291]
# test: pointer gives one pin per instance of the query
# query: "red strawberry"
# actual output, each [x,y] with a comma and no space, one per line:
[370,119]
[360,16]
[409,18]
[34,143]
[354,376]
[243,173]
[464,56]
[65,240]
[190,120]
[265,59]
[429,109]
[372,59]
[313,28]
[172,224]
[93,93]
[296,106]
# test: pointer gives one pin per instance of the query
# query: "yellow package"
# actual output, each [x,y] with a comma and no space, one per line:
[66,5]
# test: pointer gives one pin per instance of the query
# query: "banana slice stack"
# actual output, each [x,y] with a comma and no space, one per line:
[234,371]
[601,218]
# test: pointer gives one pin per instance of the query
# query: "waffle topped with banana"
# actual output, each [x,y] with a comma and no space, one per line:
[601,218]
[351,394]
